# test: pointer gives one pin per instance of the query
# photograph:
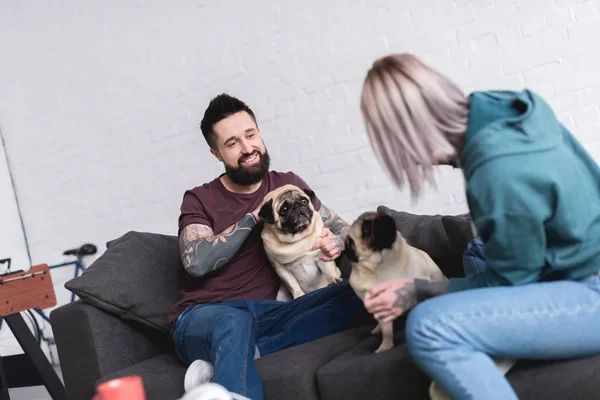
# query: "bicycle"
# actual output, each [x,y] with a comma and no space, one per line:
[81,252]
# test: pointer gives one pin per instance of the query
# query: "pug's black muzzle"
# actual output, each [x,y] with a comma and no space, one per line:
[350,250]
[297,218]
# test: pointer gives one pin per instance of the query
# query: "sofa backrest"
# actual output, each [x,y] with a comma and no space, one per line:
[140,274]
[137,278]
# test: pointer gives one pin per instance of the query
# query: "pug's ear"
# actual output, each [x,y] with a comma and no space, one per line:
[266,212]
[384,232]
[310,194]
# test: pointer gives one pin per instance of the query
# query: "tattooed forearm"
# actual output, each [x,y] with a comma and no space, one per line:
[420,289]
[426,289]
[202,251]
[335,223]
[406,297]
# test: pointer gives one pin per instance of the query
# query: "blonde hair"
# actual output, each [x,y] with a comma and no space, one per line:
[411,112]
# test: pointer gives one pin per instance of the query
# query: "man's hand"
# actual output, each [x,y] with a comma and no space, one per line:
[335,230]
[255,213]
[389,300]
[330,245]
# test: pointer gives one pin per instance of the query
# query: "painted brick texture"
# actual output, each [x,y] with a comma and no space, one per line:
[100,101]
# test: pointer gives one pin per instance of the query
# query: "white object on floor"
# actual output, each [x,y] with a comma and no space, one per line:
[503,364]
[211,391]
[207,391]
[198,372]
[201,371]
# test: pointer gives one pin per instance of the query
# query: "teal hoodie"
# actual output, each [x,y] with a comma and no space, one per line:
[532,190]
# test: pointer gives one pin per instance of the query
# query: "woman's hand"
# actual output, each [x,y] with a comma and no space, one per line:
[389,300]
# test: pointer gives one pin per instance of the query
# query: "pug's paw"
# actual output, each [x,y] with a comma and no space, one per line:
[297,293]
[332,279]
[384,346]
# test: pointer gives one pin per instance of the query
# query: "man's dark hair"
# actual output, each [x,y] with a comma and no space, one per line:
[219,108]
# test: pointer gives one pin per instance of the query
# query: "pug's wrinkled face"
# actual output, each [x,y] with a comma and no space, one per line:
[370,233]
[289,208]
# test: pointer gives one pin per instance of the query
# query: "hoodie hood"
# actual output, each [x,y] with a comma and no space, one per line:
[503,123]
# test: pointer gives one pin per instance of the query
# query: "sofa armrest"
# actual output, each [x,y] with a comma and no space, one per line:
[92,343]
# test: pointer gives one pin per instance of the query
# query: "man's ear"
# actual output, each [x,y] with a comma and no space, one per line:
[310,194]
[266,212]
[216,154]
[384,232]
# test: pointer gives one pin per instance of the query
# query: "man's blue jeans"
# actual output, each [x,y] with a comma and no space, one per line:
[454,337]
[226,334]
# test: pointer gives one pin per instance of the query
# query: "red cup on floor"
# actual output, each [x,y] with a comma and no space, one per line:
[126,388]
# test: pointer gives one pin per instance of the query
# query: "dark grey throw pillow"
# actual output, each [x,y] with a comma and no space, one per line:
[138,278]
[443,238]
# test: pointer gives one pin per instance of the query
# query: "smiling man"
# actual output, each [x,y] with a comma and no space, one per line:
[228,313]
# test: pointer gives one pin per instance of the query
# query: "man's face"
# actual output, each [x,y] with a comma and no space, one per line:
[241,149]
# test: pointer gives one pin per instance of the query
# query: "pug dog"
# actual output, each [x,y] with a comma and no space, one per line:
[378,253]
[291,228]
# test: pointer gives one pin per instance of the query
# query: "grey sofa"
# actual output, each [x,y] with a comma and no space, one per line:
[119,328]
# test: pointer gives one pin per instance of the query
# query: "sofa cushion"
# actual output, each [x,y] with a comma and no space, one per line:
[290,374]
[575,379]
[138,278]
[162,376]
[359,373]
[444,238]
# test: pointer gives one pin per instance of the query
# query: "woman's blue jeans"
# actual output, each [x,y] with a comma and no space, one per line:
[454,337]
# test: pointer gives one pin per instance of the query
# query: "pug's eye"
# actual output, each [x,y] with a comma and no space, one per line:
[304,201]
[283,209]
[366,229]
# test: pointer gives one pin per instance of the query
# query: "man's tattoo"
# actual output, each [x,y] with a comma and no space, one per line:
[336,225]
[202,251]
[406,297]
[426,289]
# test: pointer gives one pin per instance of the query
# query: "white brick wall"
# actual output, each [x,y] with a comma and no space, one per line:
[100,100]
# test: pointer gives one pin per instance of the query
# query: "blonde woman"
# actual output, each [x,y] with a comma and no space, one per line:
[534,197]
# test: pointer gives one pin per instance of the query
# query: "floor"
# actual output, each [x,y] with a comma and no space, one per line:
[10,346]
[33,392]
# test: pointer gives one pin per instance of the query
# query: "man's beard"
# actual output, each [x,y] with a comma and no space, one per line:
[246,176]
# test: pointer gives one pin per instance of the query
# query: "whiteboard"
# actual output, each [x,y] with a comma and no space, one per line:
[13,242]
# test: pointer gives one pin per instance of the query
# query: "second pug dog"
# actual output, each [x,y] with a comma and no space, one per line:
[291,229]
[379,253]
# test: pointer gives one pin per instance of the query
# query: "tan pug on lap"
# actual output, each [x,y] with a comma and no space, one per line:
[291,229]
[379,253]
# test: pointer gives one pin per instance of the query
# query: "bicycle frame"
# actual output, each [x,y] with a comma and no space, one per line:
[78,268]
[83,251]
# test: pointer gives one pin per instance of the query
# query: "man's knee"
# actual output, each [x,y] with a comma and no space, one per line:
[231,325]
[215,325]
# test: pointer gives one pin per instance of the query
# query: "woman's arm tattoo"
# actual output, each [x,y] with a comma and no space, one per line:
[406,297]
[426,289]
[421,289]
